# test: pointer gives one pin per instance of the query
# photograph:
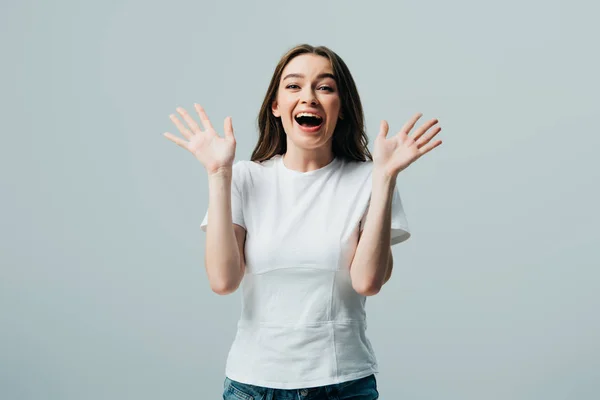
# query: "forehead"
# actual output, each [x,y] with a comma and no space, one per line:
[308,65]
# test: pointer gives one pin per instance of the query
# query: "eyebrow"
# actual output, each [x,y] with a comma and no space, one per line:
[320,76]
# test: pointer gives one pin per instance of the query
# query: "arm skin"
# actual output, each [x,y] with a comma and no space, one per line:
[224,258]
[390,266]
[372,265]
[373,262]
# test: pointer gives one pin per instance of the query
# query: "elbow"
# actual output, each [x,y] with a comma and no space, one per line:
[223,278]
[223,287]
[366,288]
[224,283]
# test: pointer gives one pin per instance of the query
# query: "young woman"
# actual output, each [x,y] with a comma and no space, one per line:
[306,227]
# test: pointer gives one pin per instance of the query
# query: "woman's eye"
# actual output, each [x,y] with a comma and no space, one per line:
[329,89]
[292,86]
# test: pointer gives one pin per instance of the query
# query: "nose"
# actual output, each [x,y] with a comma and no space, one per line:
[308,97]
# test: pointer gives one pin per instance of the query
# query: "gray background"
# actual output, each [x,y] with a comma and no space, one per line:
[103,293]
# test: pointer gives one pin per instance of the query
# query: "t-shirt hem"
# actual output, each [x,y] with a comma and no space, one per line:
[400,234]
[234,220]
[301,384]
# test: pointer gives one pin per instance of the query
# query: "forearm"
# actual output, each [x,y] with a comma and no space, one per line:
[390,266]
[370,264]
[223,265]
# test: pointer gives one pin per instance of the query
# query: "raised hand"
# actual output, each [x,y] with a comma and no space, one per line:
[392,155]
[213,151]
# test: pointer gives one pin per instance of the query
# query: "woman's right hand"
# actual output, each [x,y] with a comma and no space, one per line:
[213,151]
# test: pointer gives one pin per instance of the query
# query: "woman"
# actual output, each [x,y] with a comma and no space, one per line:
[306,225]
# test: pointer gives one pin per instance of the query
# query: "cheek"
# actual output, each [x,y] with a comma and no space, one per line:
[333,102]
[335,107]
[284,99]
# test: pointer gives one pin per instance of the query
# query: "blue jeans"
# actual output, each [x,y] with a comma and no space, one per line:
[358,389]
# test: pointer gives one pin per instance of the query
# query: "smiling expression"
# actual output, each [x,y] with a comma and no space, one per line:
[308,101]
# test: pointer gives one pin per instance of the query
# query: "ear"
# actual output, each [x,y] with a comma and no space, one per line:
[275,109]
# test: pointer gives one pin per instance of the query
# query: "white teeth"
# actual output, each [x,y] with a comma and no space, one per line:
[304,114]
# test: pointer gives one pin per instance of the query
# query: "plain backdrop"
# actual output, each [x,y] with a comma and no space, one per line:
[103,292]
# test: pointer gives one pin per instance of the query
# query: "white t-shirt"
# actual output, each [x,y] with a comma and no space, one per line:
[302,324]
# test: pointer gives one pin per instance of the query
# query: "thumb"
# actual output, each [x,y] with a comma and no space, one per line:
[228,128]
[383,129]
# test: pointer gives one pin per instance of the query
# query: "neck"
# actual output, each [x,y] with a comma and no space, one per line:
[305,160]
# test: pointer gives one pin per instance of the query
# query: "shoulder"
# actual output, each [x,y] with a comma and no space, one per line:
[248,171]
[357,171]
[253,167]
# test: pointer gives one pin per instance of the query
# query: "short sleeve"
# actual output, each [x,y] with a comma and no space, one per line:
[400,231]
[237,197]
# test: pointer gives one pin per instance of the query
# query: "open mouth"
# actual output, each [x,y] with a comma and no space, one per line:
[309,121]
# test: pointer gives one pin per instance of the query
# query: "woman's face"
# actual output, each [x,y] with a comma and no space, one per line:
[308,101]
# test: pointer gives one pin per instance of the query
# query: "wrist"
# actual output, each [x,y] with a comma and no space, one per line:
[382,178]
[221,173]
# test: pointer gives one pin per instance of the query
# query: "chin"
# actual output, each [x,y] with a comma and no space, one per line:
[305,142]
[306,139]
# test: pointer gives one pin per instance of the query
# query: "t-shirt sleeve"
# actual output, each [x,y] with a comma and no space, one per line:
[400,231]
[237,197]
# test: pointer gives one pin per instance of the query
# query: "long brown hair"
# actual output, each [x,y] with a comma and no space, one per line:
[349,138]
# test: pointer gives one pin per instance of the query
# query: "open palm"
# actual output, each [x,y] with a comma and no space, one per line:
[392,155]
[212,150]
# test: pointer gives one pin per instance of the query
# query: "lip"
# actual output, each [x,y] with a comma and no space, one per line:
[316,112]
[312,129]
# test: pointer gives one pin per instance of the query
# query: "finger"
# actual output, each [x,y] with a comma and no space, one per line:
[383,128]
[184,131]
[419,132]
[422,141]
[411,123]
[189,120]
[203,117]
[228,129]
[178,141]
[426,149]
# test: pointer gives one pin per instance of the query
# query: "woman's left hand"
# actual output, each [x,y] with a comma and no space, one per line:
[392,155]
